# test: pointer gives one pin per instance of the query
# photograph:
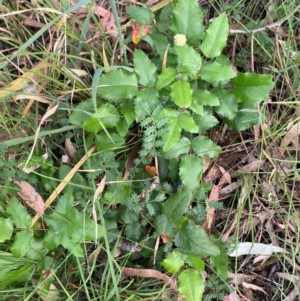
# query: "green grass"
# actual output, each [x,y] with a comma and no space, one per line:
[264,208]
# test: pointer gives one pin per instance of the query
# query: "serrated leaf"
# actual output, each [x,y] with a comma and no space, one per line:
[205,148]
[18,214]
[6,227]
[191,285]
[181,93]
[177,204]
[182,147]
[173,262]
[246,117]
[189,60]
[165,78]
[104,143]
[192,239]
[163,225]
[215,37]
[251,87]
[140,14]
[190,171]
[144,68]
[216,72]
[133,231]
[195,262]
[22,243]
[126,110]
[173,135]
[228,104]
[82,112]
[205,122]
[205,98]
[144,103]
[118,84]
[187,123]
[106,116]
[187,20]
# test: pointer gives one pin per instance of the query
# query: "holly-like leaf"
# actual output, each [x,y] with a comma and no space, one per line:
[192,239]
[189,60]
[196,262]
[165,78]
[133,231]
[182,147]
[174,129]
[191,285]
[118,84]
[187,123]
[181,93]
[190,171]
[252,88]
[163,225]
[220,262]
[215,37]
[144,68]
[228,104]
[22,243]
[177,204]
[106,116]
[187,20]
[216,72]
[18,214]
[173,262]
[140,14]
[205,122]
[246,117]
[6,227]
[205,148]
[205,98]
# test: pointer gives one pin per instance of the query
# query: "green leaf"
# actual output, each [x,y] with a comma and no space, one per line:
[182,147]
[187,20]
[174,129]
[173,262]
[128,113]
[190,171]
[215,37]
[140,14]
[191,285]
[205,98]
[246,117]
[106,116]
[70,227]
[228,104]
[144,103]
[37,249]
[177,204]
[163,225]
[19,275]
[82,112]
[144,68]
[22,243]
[216,72]
[117,194]
[159,42]
[205,122]
[118,84]
[195,262]
[6,227]
[192,239]
[133,231]
[189,60]
[187,123]
[251,88]
[18,214]
[220,262]
[205,148]
[104,143]
[181,93]
[165,78]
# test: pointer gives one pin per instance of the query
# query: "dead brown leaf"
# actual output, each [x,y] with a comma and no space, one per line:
[29,195]
[148,273]
[253,287]
[129,162]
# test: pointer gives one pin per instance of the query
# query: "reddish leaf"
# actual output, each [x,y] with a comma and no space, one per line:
[139,31]
[151,170]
